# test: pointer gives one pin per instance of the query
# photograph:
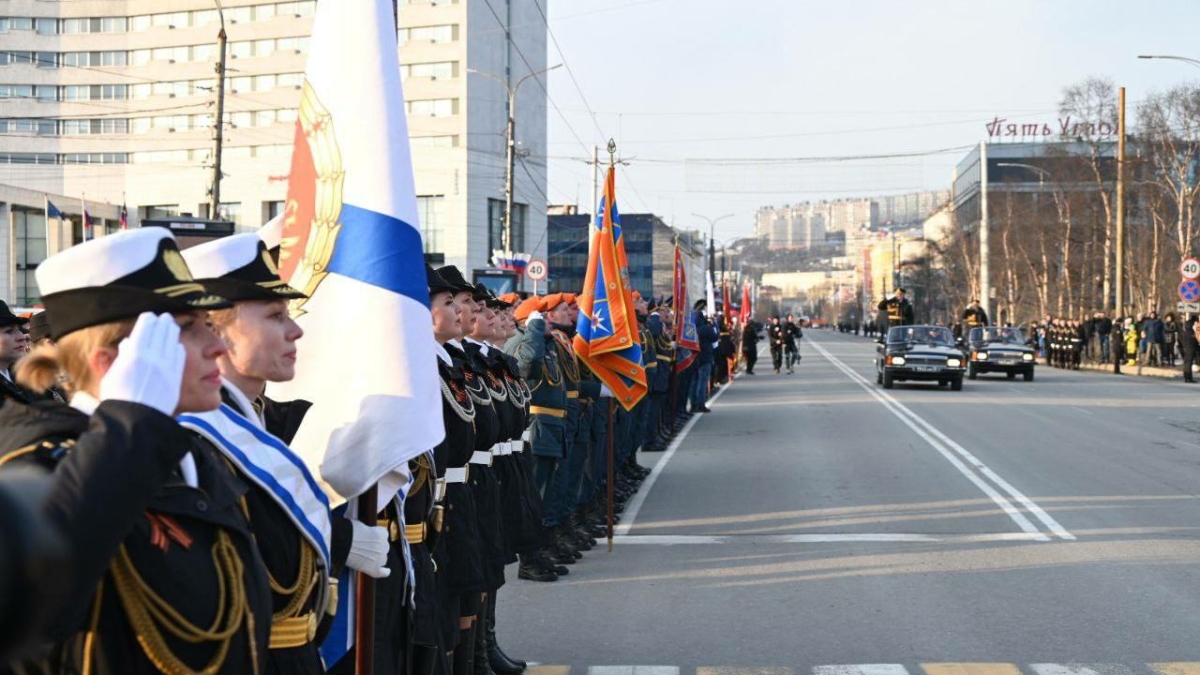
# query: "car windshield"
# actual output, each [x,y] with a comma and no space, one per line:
[929,335]
[1008,336]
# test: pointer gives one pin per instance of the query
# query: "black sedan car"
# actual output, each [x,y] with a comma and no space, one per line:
[994,349]
[920,353]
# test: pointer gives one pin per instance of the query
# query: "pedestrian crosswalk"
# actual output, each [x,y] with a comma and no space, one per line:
[1158,668]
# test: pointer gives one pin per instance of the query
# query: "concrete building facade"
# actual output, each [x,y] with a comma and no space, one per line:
[112,101]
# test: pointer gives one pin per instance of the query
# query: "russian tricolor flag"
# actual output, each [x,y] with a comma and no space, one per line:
[351,240]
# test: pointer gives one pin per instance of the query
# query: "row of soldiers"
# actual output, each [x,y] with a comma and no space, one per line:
[170,463]
[1064,341]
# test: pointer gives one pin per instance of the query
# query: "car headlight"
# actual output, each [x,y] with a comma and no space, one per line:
[1027,357]
[896,360]
[954,363]
[981,356]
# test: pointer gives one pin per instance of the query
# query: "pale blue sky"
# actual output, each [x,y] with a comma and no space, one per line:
[675,79]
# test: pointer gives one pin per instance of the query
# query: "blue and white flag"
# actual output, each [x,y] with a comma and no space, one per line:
[351,241]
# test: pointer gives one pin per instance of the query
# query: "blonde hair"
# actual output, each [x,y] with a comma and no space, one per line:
[68,360]
[222,318]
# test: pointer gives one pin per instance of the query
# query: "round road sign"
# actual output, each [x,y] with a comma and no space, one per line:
[536,270]
[1189,291]
[1190,268]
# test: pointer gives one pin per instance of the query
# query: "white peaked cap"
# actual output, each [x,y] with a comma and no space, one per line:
[219,257]
[102,261]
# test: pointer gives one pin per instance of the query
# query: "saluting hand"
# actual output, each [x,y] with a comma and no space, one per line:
[149,365]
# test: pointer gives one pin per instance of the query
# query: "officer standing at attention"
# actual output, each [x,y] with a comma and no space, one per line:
[974,316]
[895,311]
[302,545]
[750,338]
[13,345]
[167,576]
[537,361]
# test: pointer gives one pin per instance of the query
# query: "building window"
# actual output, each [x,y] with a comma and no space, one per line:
[434,107]
[160,211]
[231,211]
[30,234]
[273,210]
[428,210]
[442,33]
[434,70]
[496,225]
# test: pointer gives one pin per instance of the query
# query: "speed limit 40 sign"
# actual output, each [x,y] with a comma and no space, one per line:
[1190,268]
[536,270]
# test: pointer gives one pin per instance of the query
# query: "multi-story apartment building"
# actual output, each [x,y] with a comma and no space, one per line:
[113,101]
[804,225]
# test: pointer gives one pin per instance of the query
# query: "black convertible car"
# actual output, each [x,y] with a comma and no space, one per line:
[993,349]
[921,353]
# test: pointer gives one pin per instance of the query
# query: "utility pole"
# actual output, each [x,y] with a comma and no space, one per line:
[218,122]
[1120,261]
[509,164]
[985,281]
[595,187]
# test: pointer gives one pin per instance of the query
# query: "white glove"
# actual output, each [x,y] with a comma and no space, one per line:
[368,550]
[533,315]
[149,365]
[605,392]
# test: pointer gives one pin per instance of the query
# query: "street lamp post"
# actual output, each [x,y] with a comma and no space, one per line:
[510,143]
[712,230]
[1195,63]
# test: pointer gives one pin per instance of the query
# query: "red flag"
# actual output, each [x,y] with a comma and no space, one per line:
[685,321]
[747,313]
[607,336]
[727,308]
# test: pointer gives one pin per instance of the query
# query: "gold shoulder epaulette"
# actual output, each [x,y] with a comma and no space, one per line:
[43,446]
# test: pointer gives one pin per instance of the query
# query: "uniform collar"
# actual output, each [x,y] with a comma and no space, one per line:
[444,355]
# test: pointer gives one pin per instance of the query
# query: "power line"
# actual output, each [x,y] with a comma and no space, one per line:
[570,72]
[744,161]
[508,39]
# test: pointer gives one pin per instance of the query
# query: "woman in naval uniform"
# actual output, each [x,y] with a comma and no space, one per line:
[302,545]
[458,555]
[167,577]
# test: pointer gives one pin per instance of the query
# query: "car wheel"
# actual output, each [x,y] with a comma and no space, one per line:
[971,372]
[956,384]
[1012,376]
[888,381]
[1029,375]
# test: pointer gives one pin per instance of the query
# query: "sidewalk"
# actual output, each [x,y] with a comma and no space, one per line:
[1146,371]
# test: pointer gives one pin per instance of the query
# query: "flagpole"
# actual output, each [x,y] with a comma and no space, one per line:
[612,402]
[364,610]
[83,224]
[46,209]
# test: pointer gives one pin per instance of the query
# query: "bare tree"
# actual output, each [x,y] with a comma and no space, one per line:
[1092,105]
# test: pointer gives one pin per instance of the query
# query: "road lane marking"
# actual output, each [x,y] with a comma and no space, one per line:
[1079,669]
[970,669]
[862,669]
[847,538]
[942,442]
[547,670]
[635,504]
[1176,668]
[633,670]
[733,670]
[1086,412]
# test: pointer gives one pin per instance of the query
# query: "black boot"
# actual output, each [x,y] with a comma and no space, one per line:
[501,663]
[482,664]
[533,568]
[464,653]
[426,659]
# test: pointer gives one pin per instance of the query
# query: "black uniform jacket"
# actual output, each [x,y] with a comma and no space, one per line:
[141,537]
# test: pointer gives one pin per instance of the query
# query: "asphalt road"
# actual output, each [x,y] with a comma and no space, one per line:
[814,520]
